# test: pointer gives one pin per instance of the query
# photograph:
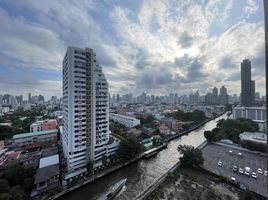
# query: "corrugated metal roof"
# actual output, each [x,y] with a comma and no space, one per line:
[22,135]
[47,161]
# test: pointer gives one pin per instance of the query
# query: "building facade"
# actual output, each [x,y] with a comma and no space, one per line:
[85,110]
[223,96]
[44,125]
[257,114]
[32,140]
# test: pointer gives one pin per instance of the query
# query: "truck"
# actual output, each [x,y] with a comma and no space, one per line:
[247,171]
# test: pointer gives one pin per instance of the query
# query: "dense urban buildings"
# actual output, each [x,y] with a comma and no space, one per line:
[86,110]
[127,121]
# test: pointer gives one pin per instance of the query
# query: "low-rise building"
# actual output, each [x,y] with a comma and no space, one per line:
[127,121]
[257,114]
[173,124]
[47,175]
[256,137]
[43,125]
[36,139]
[8,158]
[163,129]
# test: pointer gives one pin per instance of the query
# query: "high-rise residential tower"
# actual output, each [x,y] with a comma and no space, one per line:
[247,86]
[29,97]
[86,110]
[223,96]
[215,97]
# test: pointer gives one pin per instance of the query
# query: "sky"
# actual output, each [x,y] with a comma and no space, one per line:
[153,46]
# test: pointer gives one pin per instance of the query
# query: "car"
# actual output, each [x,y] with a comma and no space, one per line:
[241,171]
[219,163]
[254,175]
[259,170]
[235,168]
[230,151]
[265,172]
[247,171]
[240,154]
[233,179]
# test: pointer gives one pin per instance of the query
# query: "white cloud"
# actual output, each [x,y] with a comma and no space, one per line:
[251,7]
[148,41]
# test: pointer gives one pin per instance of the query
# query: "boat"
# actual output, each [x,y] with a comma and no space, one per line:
[115,189]
[150,152]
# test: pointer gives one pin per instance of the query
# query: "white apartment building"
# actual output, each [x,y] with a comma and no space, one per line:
[257,114]
[127,121]
[36,126]
[85,110]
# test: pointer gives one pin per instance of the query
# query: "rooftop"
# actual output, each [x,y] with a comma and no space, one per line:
[23,135]
[47,161]
[45,173]
[254,137]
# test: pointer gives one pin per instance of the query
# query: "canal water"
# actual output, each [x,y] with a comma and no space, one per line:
[144,172]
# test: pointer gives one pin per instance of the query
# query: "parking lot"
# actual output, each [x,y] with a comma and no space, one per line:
[213,153]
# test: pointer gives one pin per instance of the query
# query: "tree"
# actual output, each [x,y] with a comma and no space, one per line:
[191,157]
[209,135]
[247,195]
[4,187]
[129,147]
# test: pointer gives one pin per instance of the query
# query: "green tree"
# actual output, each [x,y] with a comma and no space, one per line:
[191,157]
[247,195]
[4,187]
[209,135]
[17,193]
[129,147]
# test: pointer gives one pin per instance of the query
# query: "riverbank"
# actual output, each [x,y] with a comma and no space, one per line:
[191,183]
[191,129]
[115,168]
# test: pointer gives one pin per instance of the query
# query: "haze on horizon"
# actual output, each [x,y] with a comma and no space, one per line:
[150,46]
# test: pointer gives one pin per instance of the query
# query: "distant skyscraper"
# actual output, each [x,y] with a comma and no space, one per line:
[223,96]
[246,84]
[29,97]
[253,92]
[215,97]
[86,110]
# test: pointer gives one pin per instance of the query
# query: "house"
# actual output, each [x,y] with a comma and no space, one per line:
[47,175]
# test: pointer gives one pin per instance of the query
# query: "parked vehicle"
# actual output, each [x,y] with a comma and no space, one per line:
[265,172]
[241,171]
[247,171]
[254,175]
[235,168]
[259,170]
[233,179]
[240,154]
[219,163]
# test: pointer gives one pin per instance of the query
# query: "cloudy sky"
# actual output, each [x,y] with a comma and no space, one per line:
[153,46]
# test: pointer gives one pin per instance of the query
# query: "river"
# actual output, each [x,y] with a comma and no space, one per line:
[142,173]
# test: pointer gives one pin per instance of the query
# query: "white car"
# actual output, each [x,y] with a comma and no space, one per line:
[259,170]
[230,151]
[240,154]
[265,172]
[233,179]
[219,163]
[254,175]
[241,171]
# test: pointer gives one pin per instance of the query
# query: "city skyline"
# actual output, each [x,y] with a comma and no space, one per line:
[187,46]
